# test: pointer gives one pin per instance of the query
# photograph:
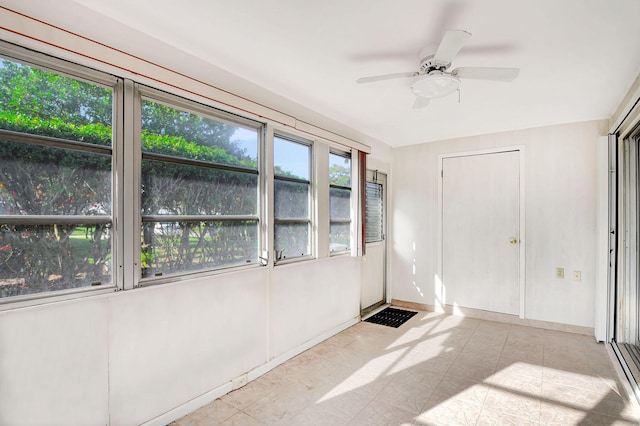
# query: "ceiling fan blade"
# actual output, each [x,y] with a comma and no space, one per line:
[386,77]
[420,102]
[486,73]
[451,43]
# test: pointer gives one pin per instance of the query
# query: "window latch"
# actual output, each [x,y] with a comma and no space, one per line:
[279,256]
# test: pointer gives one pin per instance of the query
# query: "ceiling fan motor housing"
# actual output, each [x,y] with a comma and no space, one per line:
[427,65]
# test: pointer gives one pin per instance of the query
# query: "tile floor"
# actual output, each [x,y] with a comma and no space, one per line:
[436,369]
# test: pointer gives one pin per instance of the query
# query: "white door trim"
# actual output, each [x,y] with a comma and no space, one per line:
[521,224]
[383,244]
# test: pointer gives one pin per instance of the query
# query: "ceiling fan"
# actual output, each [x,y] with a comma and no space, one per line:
[434,81]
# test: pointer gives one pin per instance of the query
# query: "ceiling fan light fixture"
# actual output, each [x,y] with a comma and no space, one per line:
[435,85]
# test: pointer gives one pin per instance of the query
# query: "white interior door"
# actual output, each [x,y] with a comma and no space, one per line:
[373,291]
[480,231]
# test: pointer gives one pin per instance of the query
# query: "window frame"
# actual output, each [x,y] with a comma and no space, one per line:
[105,80]
[146,93]
[349,221]
[310,220]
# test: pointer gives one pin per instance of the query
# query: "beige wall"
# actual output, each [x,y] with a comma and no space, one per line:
[560,217]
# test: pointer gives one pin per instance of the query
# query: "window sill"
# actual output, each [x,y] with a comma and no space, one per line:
[186,276]
[293,260]
[36,299]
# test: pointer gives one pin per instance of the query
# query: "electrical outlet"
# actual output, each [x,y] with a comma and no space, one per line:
[559,272]
[577,275]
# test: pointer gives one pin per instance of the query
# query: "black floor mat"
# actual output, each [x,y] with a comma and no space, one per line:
[391,317]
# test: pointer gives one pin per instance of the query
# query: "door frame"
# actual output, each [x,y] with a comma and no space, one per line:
[521,222]
[383,243]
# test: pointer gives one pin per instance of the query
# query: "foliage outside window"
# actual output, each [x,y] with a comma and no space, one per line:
[199,192]
[55,181]
[292,198]
[339,202]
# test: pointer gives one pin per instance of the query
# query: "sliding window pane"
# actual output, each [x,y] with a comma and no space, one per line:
[39,180]
[45,258]
[177,133]
[291,159]
[291,199]
[292,240]
[180,189]
[40,102]
[340,203]
[340,170]
[340,237]
[179,247]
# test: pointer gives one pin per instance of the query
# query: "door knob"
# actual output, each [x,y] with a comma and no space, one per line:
[513,241]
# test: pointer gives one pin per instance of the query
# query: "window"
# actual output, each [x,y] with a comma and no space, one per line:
[339,202]
[292,198]
[199,191]
[374,230]
[94,168]
[55,181]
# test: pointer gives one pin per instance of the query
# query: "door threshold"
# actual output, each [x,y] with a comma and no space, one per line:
[372,311]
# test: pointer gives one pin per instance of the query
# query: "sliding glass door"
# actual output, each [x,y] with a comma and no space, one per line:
[626,268]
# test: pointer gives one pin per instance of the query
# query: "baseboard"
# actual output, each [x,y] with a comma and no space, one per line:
[265,368]
[208,397]
[495,316]
[190,406]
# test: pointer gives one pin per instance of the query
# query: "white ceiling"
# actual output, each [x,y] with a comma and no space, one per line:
[577,58]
